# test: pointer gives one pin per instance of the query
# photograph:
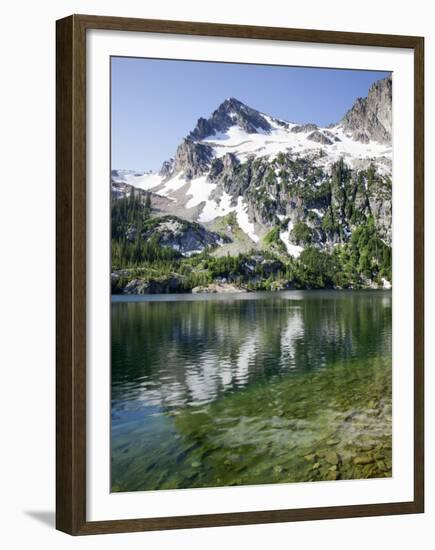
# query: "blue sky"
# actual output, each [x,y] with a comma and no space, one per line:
[155,103]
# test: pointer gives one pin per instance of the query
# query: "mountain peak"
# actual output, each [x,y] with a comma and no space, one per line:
[231,112]
[370,118]
[231,103]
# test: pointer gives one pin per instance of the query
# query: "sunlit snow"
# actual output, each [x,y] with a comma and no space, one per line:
[145,181]
[293,249]
[199,191]
[281,139]
[216,208]
[172,185]
[243,220]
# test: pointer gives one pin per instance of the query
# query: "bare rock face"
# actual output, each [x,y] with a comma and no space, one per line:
[331,135]
[316,199]
[224,168]
[231,112]
[167,168]
[185,237]
[318,137]
[304,128]
[193,159]
[370,118]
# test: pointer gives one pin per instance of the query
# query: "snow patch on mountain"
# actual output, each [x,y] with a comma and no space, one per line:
[293,249]
[243,220]
[172,185]
[146,182]
[141,180]
[216,208]
[281,139]
[199,191]
[317,212]
[213,173]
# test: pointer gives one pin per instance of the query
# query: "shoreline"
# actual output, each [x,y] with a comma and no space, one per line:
[253,295]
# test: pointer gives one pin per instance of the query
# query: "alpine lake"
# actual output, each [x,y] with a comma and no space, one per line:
[271,387]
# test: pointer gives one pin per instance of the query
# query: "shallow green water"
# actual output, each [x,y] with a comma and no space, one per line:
[247,389]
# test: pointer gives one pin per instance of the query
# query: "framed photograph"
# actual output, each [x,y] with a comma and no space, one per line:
[239,274]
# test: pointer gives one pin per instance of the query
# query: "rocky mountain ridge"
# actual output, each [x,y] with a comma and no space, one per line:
[231,112]
[257,182]
[370,118]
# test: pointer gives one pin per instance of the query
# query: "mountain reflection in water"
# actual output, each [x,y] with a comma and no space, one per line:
[179,357]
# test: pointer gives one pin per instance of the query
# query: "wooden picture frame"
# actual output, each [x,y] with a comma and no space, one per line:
[71,273]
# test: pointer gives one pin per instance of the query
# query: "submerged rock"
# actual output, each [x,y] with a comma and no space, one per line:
[332,458]
[362,460]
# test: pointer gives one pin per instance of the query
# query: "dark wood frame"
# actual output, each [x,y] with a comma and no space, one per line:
[71,273]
